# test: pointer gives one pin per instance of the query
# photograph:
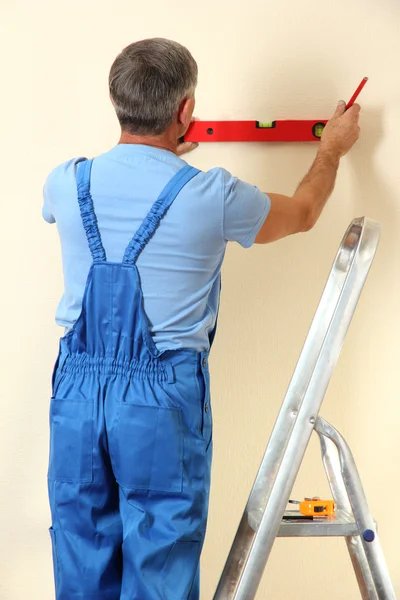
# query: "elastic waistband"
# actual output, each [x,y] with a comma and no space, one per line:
[78,363]
[162,368]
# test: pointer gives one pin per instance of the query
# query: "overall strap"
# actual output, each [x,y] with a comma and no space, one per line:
[157,212]
[88,215]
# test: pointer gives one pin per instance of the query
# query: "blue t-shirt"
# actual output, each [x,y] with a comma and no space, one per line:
[179,268]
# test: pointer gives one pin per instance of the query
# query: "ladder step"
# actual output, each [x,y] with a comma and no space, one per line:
[340,525]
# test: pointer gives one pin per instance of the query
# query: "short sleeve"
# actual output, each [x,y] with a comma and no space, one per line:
[55,186]
[245,209]
[47,210]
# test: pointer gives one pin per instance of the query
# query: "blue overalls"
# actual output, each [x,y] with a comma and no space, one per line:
[130,437]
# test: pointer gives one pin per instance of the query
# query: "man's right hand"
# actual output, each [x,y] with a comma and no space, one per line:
[342,131]
[300,212]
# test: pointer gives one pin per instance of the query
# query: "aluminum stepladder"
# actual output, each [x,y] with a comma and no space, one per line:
[298,418]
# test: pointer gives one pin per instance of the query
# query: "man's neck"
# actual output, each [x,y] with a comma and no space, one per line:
[165,141]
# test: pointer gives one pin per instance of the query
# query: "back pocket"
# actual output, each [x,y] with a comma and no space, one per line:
[147,448]
[71,443]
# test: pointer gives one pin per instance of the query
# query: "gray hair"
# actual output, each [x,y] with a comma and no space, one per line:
[147,83]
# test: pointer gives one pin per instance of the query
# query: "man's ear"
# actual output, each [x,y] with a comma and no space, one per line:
[185,112]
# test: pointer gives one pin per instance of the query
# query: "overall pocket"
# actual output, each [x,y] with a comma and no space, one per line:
[147,448]
[207,427]
[71,440]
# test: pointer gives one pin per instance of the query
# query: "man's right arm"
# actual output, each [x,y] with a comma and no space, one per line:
[300,212]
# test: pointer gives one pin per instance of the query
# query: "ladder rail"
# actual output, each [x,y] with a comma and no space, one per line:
[295,423]
[330,458]
[359,506]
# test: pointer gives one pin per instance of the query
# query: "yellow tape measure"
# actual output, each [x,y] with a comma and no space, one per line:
[315,507]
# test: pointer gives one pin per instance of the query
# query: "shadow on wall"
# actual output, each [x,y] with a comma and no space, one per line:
[372,195]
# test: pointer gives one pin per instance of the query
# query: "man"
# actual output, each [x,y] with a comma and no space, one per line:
[143,237]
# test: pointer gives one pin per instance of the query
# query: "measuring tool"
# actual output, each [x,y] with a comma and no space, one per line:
[315,507]
[256,131]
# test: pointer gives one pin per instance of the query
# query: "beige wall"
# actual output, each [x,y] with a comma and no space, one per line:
[258,60]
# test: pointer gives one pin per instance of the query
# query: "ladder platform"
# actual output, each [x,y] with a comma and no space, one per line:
[339,525]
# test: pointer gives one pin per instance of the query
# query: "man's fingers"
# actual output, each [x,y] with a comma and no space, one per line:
[186,147]
[354,110]
[340,109]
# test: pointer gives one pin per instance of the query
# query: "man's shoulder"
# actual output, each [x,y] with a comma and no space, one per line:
[216,178]
[217,173]
[63,172]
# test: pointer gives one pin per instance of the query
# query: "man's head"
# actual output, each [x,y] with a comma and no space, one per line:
[152,85]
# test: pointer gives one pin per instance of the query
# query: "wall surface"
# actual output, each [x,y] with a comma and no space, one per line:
[257,60]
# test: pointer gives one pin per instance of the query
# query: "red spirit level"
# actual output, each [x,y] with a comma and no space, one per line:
[254,131]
